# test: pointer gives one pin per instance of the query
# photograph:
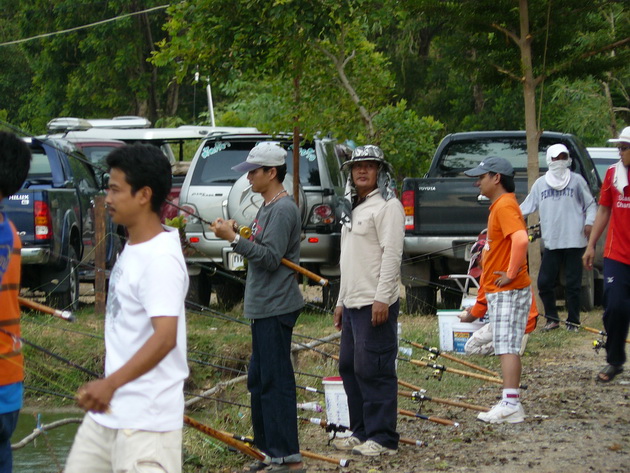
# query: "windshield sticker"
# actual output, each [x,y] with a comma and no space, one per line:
[308,153]
[218,147]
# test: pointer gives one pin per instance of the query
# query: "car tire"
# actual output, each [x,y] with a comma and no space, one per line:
[68,299]
[199,290]
[421,300]
[229,294]
[330,294]
[451,298]
[587,293]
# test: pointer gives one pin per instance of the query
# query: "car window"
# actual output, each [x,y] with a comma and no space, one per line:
[602,165]
[214,165]
[97,155]
[461,155]
[83,175]
[40,165]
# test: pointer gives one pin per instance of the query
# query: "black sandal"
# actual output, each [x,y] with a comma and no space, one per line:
[256,466]
[608,373]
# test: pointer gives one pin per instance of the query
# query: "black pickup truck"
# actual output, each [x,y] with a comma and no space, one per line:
[445,213]
[54,216]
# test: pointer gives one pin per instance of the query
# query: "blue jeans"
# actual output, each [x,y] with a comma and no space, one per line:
[552,260]
[271,382]
[616,310]
[8,422]
[367,365]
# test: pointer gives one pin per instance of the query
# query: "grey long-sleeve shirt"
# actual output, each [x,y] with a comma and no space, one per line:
[272,288]
[563,213]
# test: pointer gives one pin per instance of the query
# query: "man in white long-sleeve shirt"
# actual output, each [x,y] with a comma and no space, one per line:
[567,212]
[367,309]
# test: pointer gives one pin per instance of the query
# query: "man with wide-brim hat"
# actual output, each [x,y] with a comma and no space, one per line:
[614,208]
[367,309]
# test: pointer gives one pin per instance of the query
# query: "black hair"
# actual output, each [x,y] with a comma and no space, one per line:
[15,161]
[506,181]
[144,166]
[281,171]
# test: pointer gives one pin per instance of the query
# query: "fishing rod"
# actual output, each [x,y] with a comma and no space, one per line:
[42,429]
[420,392]
[440,369]
[588,329]
[435,352]
[62,314]
[336,428]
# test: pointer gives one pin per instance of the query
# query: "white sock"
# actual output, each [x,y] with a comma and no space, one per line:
[512,396]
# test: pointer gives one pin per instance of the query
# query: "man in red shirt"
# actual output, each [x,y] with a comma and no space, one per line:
[614,208]
[505,281]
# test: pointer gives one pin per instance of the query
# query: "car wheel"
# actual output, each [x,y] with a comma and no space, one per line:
[421,300]
[451,298]
[330,294]
[68,298]
[587,293]
[229,294]
[199,289]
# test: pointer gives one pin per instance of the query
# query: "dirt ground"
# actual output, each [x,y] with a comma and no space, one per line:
[573,425]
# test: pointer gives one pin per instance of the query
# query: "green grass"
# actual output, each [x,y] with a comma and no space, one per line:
[221,342]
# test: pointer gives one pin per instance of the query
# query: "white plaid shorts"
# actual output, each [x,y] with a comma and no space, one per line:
[508,312]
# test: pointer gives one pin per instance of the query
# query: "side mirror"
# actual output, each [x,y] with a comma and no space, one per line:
[105,180]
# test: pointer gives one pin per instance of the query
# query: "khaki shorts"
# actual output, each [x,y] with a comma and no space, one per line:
[98,449]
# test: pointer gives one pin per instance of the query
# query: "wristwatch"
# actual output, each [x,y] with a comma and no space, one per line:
[235,241]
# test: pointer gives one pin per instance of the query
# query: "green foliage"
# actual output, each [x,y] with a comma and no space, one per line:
[407,140]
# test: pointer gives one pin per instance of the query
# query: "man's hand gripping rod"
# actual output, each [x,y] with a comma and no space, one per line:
[246,232]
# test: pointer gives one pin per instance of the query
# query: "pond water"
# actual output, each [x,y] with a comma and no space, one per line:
[47,454]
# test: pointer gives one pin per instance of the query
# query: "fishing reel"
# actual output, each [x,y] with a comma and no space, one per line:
[420,398]
[437,374]
[598,345]
[335,429]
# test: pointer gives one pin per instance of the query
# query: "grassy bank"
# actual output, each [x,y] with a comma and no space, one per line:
[219,351]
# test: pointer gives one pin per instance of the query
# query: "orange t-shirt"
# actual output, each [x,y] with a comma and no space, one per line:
[11,360]
[505,219]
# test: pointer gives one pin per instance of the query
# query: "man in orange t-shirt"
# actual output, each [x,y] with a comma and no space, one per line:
[505,281]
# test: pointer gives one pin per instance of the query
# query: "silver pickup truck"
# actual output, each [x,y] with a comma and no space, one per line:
[211,190]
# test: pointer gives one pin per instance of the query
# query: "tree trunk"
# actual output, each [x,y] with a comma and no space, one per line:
[531,128]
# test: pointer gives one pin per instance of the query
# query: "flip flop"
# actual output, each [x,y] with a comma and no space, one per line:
[607,374]
[256,466]
[284,468]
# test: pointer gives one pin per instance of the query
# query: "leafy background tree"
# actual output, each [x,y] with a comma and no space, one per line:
[400,74]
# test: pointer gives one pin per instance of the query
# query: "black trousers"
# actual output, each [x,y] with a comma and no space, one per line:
[616,310]
[367,365]
[552,260]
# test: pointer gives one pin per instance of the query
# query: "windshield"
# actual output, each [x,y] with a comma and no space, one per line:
[214,166]
[466,154]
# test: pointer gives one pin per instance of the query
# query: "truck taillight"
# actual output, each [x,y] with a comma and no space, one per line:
[409,203]
[43,221]
[322,214]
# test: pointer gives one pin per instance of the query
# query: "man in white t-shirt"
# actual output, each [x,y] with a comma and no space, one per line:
[135,413]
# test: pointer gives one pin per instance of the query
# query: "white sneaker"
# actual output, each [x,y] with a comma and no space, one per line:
[372,449]
[503,412]
[347,443]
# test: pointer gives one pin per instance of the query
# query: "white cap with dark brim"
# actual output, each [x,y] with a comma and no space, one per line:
[267,153]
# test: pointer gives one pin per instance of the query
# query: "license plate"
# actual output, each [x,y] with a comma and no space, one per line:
[236,262]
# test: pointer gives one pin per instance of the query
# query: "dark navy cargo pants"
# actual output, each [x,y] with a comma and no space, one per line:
[367,365]
[616,310]
[271,382]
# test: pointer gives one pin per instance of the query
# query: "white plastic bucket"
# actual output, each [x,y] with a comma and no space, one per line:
[336,404]
[447,320]
[461,333]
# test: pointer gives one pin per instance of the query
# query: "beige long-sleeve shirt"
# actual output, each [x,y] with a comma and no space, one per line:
[371,253]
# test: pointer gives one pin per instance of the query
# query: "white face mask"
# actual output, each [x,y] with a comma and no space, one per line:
[558,174]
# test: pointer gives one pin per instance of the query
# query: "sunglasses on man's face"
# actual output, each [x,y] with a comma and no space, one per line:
[623,148]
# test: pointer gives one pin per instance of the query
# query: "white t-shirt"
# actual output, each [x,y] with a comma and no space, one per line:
[149,280]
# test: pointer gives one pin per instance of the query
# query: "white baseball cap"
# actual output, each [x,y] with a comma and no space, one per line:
[556,150]
[267,153]
[624,136]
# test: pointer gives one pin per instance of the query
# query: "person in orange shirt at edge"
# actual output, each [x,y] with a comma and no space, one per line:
[15,161]
[505,280]
[480,342]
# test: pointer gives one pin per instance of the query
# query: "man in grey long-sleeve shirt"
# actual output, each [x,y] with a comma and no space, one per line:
[273,301]
[567,211]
